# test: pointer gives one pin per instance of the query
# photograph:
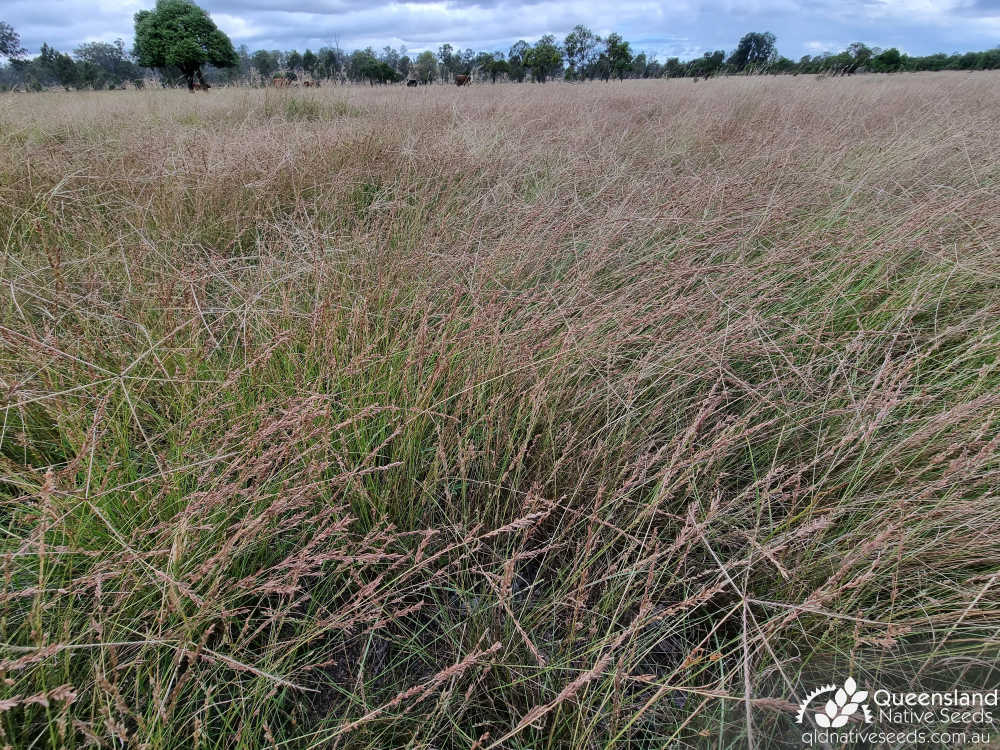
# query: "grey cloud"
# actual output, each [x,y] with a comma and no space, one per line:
[979,8]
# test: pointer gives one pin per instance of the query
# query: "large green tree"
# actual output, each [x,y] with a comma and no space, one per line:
[179,34]
[619,55]
[755,50]
[544,59]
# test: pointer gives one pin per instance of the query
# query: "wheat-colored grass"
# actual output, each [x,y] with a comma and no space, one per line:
[513,416]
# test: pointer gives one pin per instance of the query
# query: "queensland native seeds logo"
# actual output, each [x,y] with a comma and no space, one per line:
[838,710]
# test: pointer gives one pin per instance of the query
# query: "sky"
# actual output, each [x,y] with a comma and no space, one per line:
[678,28]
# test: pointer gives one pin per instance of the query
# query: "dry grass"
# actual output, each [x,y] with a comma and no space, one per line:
[517,416]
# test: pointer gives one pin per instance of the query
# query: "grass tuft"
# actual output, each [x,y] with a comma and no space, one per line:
[551,416]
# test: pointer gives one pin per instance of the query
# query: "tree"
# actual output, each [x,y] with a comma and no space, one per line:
[579,47]
[860,54]
[446,56]
[516,57]
[619,55]
[755,49]
[361,64]
[544,59]
[59,68]
[888,62]
[673,68]
[245,64]
[426,67]
[10,42]
[294,61]
[989,61]
[639,66]
[601,67]
[782,65]
[364,65]
[330,62]
[309,61]
[466,59]
[110,62]
[706,65]
[180,34]
[492,64]
[266,63]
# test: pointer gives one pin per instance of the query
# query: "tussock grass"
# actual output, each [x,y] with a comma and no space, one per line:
[528,416]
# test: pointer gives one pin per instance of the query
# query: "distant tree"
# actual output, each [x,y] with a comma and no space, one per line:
[446,56]
[639,65]
[515,60]
[10,42]
[426,67]
[293,61]
[968,61]
[619,55]
[707,65]
[330,62]
[405,63]
[937,61]
[364,65]
[580,45]
[990,59]
[492,64]
[673,68]
[544,59]
[782,65]
[309,62]
[754,50]
[266,64]
[55,67]
[390,57]
[601,67]
[466,59]
[177,33]
[245,64]
[360,64]
[859,54]
[384,73]
[86,74]
[888,61]
[110,62]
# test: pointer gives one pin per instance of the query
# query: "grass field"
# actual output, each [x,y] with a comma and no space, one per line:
[610,415]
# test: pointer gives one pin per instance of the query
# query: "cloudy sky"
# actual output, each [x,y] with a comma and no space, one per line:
[683,28]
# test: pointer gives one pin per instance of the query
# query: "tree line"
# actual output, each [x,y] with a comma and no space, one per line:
[204,52]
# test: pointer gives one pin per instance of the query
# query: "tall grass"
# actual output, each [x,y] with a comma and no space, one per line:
[528,416]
